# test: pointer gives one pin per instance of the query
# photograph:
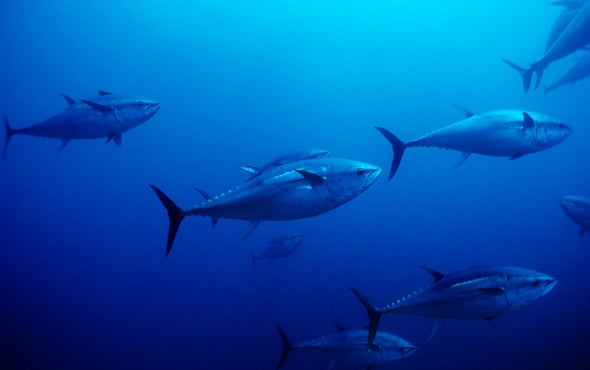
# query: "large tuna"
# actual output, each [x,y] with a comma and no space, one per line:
[351,346]
[575,36]
[478,292]
[292,191]
[504,133]
[105,116]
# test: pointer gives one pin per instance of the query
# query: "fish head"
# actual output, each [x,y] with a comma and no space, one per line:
[391,346]
[575,206]
[134,111]
[550,131]
[524,286]
[346,179]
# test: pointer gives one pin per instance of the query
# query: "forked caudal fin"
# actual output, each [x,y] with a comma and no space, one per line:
[527,74]
[287,347]
[175,215]
[398,147]
[9,133]
[373,313]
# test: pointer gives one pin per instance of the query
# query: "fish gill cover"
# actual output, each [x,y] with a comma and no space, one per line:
[84,281]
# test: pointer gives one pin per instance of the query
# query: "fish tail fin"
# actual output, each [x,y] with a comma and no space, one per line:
[526,74]
[287,347]
[398,147]
[538,69]
[373,313]
[175,215]
[254,258]
[9,133]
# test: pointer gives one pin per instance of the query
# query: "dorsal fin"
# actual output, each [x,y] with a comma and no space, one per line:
[102,92]
[432,272]
[204,194]
[208,197]
[70,100]
[569,4]
[338,326]
[528,120]
[466,112]
[312,178]
[100,107]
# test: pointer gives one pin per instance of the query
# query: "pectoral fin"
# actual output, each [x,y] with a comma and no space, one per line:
[312,178]
[103,108]
[491,291]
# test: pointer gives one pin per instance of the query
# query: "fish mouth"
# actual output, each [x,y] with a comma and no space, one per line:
[153,108]
[550,282]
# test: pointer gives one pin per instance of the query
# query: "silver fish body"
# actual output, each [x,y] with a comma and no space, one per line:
[351,346]
[105,116]
[293,191]
[509,133]
[478,292]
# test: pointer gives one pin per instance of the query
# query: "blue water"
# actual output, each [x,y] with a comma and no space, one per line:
[83,278]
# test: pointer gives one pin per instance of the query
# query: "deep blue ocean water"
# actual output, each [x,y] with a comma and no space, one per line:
[84,283]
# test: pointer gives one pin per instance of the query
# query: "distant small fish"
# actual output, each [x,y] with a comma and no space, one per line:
[509,133]
[279,247]
[351,346]
[574,36]
[579,71]
[105,116]
[478,292]
[578,209]
[292,191]
[284,159]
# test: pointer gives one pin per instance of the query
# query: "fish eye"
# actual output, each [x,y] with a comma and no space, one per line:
[536,282]
[360,171]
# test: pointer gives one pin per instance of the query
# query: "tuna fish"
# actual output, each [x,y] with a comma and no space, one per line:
[284,159]
[292,191]
[575,36]
[478,292]
[351,346]
[105,116]
[509,133]
[279,247]
[578,209]
[570,8]
[579,71]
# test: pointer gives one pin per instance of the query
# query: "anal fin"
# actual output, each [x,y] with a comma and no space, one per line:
[462,158]
[116,138]
[63,145]
[251,228]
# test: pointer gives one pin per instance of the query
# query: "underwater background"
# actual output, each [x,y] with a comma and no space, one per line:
[83,278]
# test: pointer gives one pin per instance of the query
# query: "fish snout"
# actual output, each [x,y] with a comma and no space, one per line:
[408,350]
[369,171]
[549,282]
